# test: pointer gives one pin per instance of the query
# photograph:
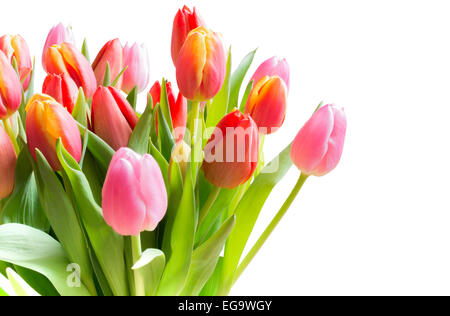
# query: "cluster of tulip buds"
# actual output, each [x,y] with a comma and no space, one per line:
[191,134]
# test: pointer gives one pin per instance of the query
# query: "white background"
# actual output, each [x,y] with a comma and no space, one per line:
[379,223]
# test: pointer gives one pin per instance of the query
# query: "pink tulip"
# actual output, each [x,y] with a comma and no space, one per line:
[16,47]
[10,88]
[58,34]
[273,67]
[135,58]
[134,194]
[318,146]
[7,164]
[111,53]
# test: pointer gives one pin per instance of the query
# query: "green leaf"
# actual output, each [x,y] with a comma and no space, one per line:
[212,286]
[30,89]
[219,105]
[132,97]
[81,108]
[205,258]
[164,105]
[162,162]
[247,92]
[94,176]
[238,78]
[108,245]
[247,213]
[107,76]
[6,288]
[151,265]
[85,50]
[101,151]
[33,249]
[141,134]
[167,141]
[116,80]
[23,207]
[19,285]
[37,281]
[63,219]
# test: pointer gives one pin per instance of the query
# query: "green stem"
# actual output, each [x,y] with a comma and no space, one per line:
[194,117]
[208,204]
[9,131]
[265,235]
[136,252]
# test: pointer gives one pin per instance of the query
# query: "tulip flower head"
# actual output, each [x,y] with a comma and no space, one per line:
[134,194]
[273,67]
[112,117]
[62,88]
[10,88]
[201,65]
[184,22]
[112,54]
[16,47]
[58,34]
[178,108]
[318,146]
[231,154]
[7,164]
[46,122]
[135,58]
[65,58]
[267,104]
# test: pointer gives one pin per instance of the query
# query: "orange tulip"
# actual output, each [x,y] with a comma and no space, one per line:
[15,46]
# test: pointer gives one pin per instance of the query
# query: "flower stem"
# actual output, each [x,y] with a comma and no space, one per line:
[193,124]
[136,252]
[208,204]
[9,131]
[265,235]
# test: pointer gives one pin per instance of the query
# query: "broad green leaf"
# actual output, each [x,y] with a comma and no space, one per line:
[247,213]
[85,50]
[132,97]
[164,105]
[167,141]
[19,285]
[108,245]
[151,266]
[23,207]
[63,219]
[205,258]
[153,129]
[212,286]
[37,281]
[81,109]
[219,105]
[33,249]
[101,151]
[94,176]
[141,134]
[247,92]
[237,78]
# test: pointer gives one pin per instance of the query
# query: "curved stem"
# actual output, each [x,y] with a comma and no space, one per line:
[208,204]
[9,131]
[136,252]
[265,235]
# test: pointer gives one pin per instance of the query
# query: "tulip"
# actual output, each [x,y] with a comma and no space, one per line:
[16,47]
[178,108]
[135,58]
[231,154]
[134,194]
[65,58]
[7,164]
[10,88]
[201,65]
[184,22]
[267,104]
[113,118]
[318,146]
[111,53]
[58,34]
[46,122]
[273,67]
[62,88]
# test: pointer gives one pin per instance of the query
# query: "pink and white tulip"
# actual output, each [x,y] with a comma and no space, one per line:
[135,58]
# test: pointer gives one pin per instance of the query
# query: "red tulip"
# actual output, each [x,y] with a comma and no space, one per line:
[231,154]
[65,58]
[111,53]
[184,22]
[178,108]
[16,47]
[201,65]
[46,122]
[62,88]
[318,147]
[10,88]
[112,117]
[7,164]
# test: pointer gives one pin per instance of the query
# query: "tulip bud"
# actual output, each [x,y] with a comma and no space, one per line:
[181,154]
[7,164]
[267,104]
[135,58]
[184,22]
[112,117]
[58,34]
[111,53]
[16,47]
[62,88]
[134,194]
[273,67]
[65,58]
[201,65]
[231,154]
[10,88]
[178,108]
[46,122]
[318,146]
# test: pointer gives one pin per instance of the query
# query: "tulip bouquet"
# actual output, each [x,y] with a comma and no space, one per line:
[97,198]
